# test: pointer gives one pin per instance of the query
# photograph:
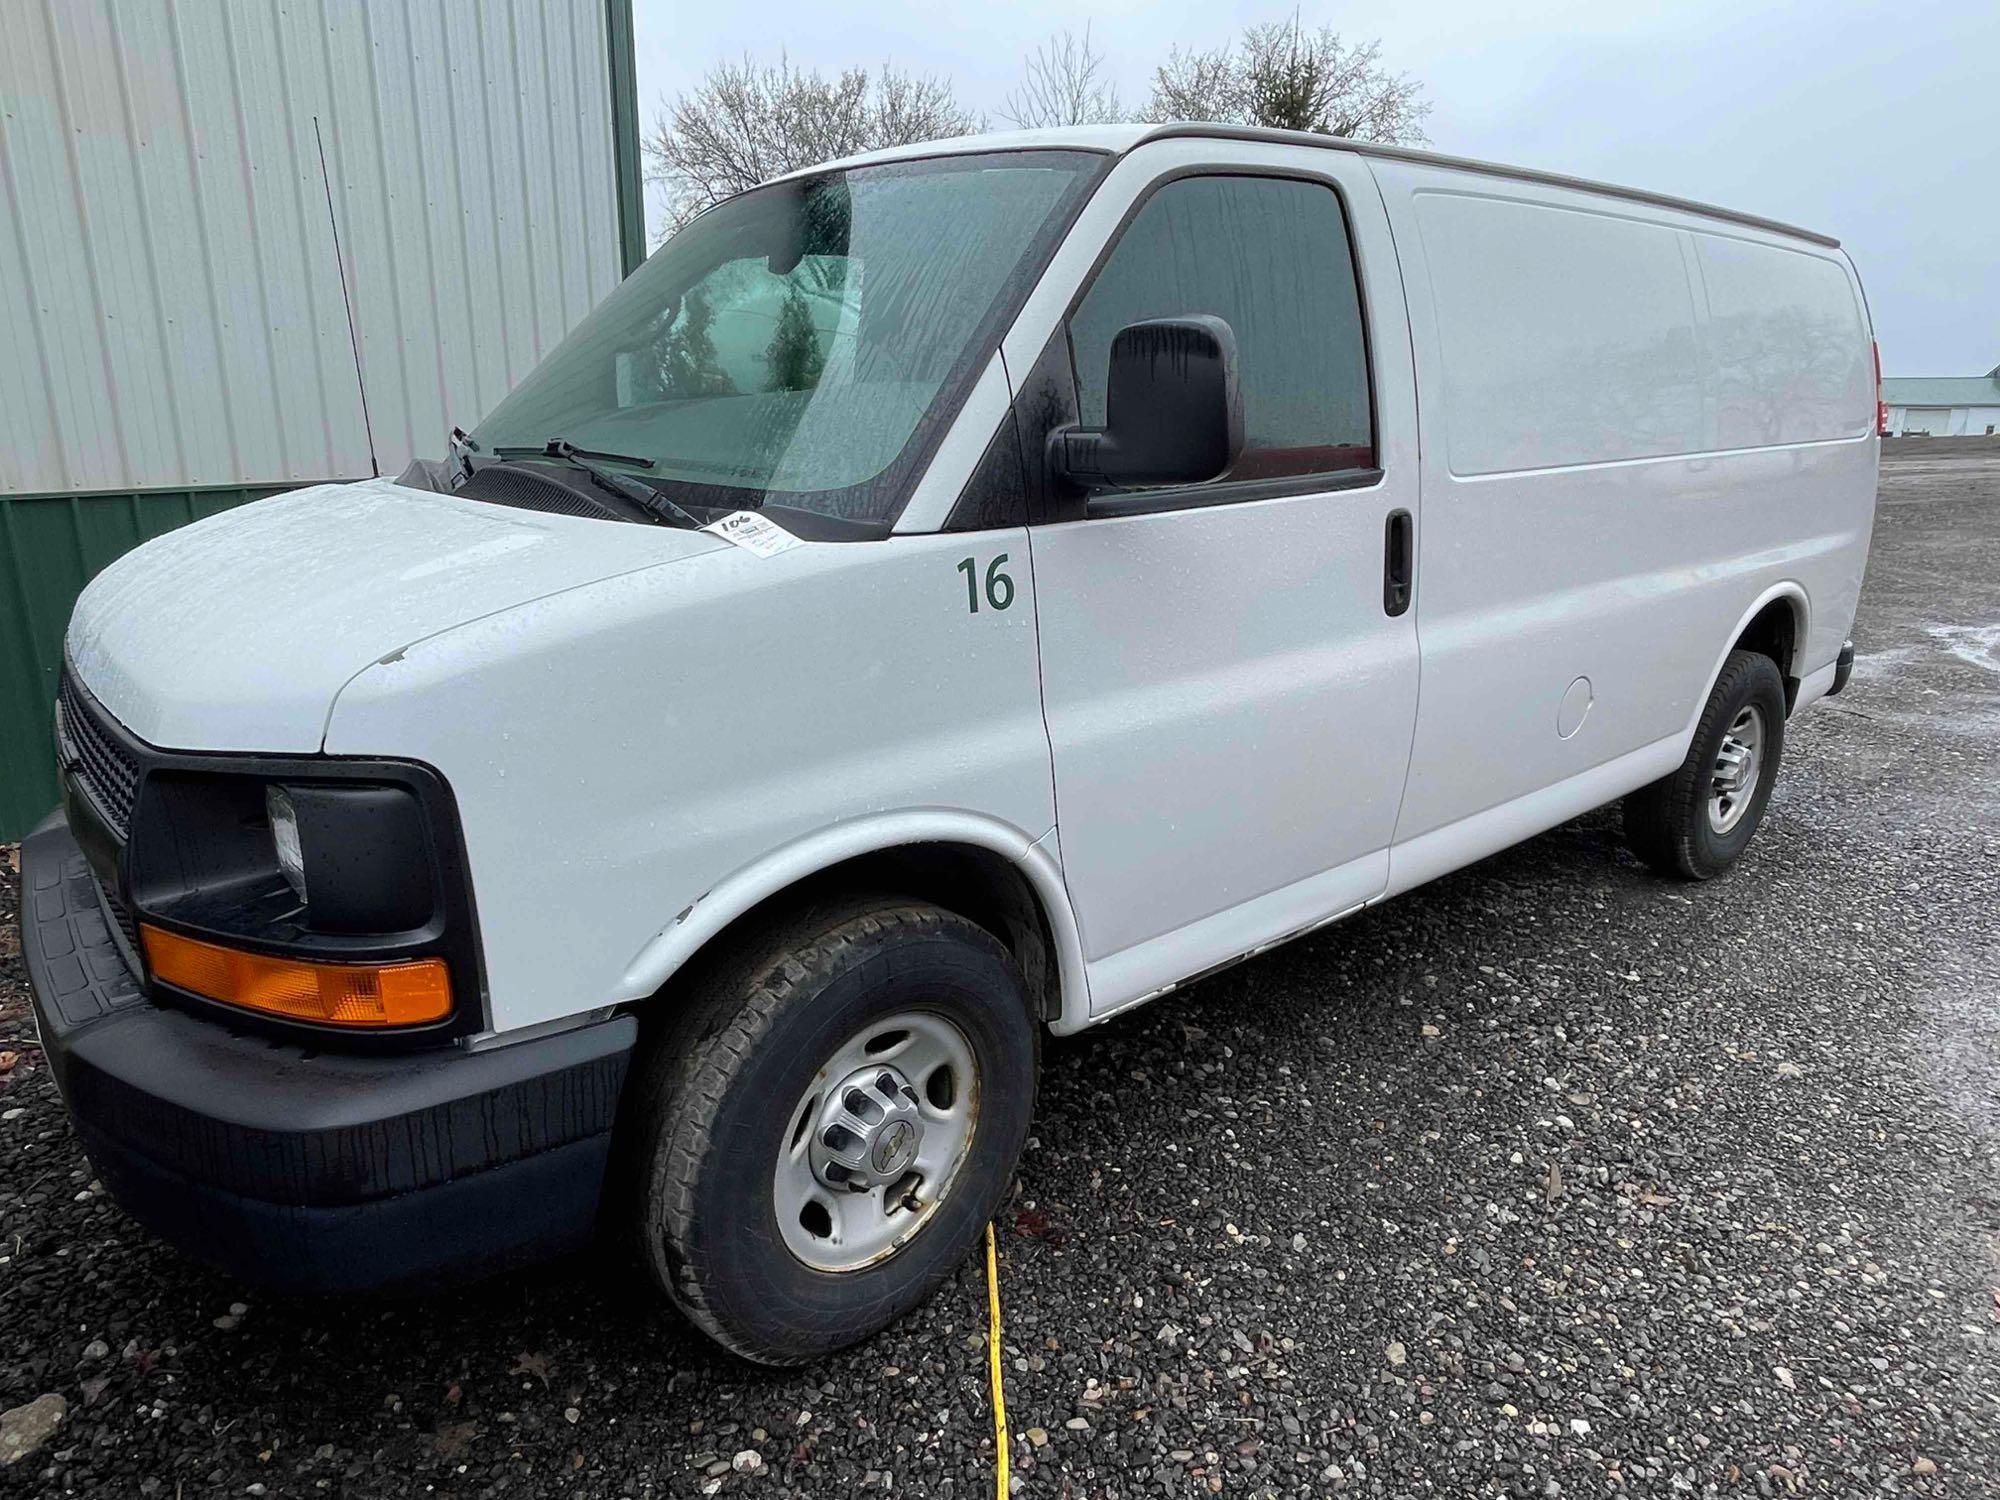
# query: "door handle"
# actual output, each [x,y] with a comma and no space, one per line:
[1399,561]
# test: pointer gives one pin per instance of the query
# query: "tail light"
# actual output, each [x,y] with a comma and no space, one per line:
[1881,406]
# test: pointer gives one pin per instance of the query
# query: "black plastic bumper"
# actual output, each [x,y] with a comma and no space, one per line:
[1843,668]
[312,1171]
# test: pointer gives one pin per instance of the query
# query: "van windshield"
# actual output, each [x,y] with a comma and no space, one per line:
[803,344]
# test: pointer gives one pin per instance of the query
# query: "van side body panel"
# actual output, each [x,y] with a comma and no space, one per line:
[1616,474]
[622,750]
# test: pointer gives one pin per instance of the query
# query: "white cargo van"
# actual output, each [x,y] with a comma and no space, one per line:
[968,589]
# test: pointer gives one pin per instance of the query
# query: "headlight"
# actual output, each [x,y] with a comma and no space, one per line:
[285,836]
[288,858]
[224,854]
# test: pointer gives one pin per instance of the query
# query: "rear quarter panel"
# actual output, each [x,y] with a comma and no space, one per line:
[620,750]
[1635,422]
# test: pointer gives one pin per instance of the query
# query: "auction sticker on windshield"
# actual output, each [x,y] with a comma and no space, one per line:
[749,530]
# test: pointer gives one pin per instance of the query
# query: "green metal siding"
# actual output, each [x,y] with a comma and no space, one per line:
[50,547]
[1948,390]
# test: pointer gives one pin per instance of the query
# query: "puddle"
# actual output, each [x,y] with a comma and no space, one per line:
[1977,644]
[1872,664]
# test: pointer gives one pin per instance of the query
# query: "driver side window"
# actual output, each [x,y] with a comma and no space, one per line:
[1270,256]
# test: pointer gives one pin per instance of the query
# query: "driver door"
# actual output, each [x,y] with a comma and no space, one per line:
[1229,692]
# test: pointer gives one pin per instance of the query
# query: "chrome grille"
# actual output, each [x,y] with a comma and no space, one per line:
[88,748]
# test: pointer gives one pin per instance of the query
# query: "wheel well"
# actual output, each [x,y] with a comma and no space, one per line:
[1774,632]
[983,887]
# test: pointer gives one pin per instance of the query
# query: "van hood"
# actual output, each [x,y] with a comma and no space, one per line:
[237,633]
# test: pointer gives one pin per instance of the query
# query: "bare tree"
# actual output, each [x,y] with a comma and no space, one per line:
[1063,82]
[1197,86]
[747,122]
[1280,74]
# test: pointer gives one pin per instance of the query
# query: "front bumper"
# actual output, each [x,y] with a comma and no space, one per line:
[303,1169]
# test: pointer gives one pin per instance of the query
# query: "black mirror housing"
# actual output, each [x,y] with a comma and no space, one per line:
[1173,410]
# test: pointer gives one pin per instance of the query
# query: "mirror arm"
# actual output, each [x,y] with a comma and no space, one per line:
[1081,456]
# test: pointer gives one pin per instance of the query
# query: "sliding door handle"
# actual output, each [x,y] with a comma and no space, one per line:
[1399,561]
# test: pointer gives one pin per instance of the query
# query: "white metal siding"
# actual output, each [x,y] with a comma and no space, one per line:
[171,305]
[1935,421]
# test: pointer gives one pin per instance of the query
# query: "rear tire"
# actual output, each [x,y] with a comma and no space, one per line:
[1697,821]
[760,1232]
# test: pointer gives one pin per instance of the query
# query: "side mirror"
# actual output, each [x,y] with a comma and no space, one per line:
[1173,412]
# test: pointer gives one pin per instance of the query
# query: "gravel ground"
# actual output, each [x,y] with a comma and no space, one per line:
[1550,1178]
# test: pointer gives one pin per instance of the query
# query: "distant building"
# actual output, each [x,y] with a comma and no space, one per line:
[1946,406]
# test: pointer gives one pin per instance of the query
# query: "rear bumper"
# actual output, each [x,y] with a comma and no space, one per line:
[312,1171]
[1843,668]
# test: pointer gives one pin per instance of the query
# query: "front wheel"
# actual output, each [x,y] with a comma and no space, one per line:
[827,1140]
[1695,822]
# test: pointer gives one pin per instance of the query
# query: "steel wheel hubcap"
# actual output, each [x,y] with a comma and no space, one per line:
[1738,765]
[876,1142]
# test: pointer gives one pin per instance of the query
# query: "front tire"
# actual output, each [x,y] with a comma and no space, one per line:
[827,1138]
[1696,822]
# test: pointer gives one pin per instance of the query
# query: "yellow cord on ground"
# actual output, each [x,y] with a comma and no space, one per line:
[1000,1444]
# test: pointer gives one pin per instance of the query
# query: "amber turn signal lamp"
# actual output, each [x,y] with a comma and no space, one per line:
[360,995]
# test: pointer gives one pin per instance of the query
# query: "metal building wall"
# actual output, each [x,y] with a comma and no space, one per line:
[249,246]
[173,308]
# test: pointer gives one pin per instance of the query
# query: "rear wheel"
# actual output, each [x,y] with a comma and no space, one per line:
[826,1139]
[1697,821]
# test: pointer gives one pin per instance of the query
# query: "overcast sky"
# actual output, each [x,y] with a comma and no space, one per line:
[1876,123]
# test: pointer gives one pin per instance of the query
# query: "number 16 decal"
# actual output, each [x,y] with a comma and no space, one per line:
[999,586]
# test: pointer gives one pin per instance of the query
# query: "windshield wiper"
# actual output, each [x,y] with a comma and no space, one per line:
[652,501]
[564,448]
[461,446]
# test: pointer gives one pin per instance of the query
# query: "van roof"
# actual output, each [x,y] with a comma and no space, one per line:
[1116,140]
